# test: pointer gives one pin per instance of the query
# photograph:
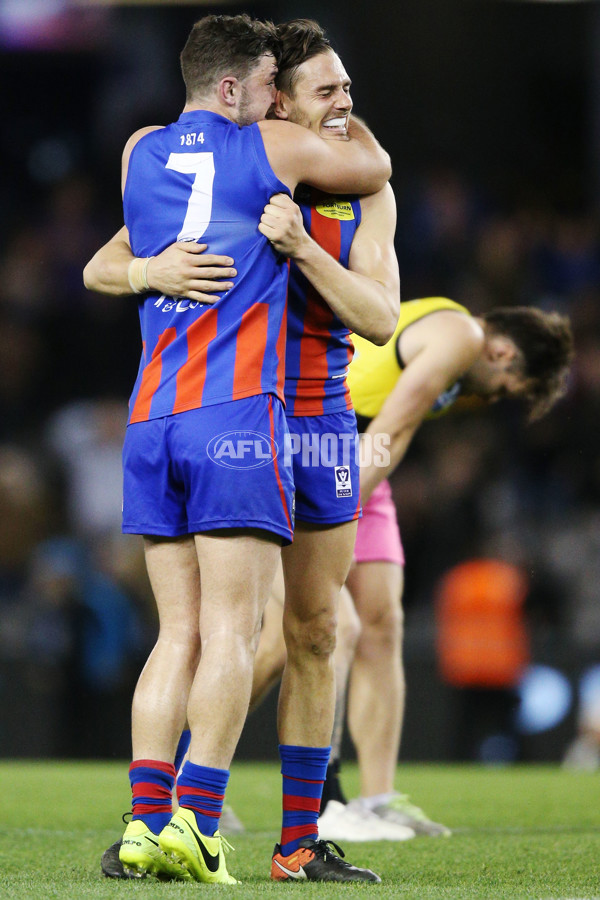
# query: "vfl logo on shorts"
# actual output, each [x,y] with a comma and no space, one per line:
[242,450]
[343,481]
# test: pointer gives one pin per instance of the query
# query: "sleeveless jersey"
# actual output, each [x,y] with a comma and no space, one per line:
[375,370]
[319,348]
[204,178]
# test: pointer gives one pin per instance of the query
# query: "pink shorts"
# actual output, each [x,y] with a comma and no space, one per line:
[378,535]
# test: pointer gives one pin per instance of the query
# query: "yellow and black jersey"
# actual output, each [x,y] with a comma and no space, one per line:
[374,371]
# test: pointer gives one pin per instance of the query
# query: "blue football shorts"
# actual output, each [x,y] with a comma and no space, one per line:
[210,468]
[323,451]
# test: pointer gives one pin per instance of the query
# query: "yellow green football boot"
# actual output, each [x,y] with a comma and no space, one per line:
[202,856]
[141,855]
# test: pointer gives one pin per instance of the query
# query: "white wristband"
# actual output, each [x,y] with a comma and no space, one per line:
[137,274]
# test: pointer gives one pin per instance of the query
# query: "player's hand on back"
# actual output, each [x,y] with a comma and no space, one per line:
[184,269]
[281,222]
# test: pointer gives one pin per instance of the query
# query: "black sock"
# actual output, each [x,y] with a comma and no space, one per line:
[332,789]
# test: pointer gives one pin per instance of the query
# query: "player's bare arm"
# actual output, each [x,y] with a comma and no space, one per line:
[183,269]
[356,166]
[436,351]
[366,295]
[106,272]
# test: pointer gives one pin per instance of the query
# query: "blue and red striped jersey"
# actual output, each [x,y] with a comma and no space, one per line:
[204,178]
[319,348]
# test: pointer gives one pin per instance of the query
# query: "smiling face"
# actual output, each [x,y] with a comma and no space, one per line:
[319,97]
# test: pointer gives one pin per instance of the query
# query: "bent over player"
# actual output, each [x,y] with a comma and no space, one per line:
[438,353]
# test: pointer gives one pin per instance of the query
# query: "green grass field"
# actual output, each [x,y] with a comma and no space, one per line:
[524,832]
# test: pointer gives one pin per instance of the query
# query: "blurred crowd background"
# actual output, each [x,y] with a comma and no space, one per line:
[491,112]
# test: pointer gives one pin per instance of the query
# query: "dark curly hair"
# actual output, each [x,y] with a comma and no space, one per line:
[545,341]
[221,45]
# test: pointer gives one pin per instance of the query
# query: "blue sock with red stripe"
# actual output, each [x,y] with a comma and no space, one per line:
[303,770]
[152,792]
[182,748]
[202,789]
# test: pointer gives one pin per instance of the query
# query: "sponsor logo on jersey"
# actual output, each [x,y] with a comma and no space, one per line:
[336,209]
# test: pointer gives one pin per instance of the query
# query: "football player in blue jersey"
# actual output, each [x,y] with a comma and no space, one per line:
[511,339]
[236,568]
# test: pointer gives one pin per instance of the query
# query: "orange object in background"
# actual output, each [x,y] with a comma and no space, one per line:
[482,637]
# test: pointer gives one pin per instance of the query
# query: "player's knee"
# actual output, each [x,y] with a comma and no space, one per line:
[185,641]
[397,620]
[315,636]
[386,627]
[322,641]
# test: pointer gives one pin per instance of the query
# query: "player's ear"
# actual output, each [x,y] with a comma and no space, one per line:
[281,107]
[501,348]
[229,89]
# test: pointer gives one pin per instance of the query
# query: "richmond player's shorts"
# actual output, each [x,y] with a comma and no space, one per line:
[378,534]
[324,459]
[215,467]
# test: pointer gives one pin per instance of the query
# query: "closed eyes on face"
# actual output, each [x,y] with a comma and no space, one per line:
[328,89]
